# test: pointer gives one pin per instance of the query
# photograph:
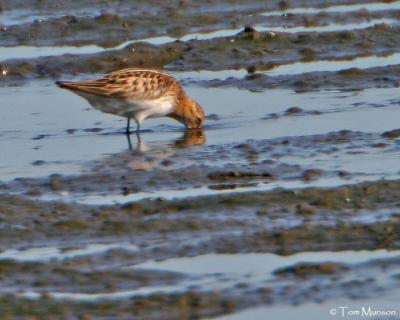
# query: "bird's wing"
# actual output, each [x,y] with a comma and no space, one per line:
[126,84]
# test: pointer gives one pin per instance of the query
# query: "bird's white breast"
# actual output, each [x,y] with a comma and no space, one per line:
[142,109]
[138,109]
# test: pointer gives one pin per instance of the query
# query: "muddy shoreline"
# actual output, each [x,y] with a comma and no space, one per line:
[150,222]
[238,164]
[256,52]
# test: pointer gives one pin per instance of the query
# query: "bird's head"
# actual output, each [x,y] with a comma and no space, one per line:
[195,116]
[190,113]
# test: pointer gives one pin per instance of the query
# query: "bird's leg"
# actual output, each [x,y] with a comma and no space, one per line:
[128,126]
[128,137]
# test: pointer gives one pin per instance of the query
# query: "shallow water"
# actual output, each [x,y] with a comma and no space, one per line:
[21,16]
[257,264]
[41,254]
[300,67]
[35,134]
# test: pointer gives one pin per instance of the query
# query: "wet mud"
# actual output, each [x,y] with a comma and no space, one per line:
[27,219]
[254,52]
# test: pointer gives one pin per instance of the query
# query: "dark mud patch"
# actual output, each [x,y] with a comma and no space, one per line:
[224,176]
[392,134]
[304,270]
[231,186]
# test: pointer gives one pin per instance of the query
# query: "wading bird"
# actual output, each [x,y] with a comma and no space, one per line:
[139,94]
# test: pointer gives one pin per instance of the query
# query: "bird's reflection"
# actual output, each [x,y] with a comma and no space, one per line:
[145,156]
[192,137]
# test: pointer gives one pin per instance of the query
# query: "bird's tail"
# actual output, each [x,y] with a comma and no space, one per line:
[88,86]
[65,84]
